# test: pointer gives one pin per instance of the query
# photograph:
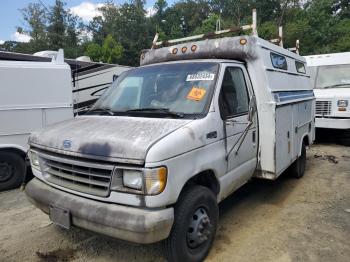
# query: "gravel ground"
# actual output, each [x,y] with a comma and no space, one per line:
[284,220]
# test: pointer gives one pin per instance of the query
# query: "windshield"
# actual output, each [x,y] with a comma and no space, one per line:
[333,76]
[183,88]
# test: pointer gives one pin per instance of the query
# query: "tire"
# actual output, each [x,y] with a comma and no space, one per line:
[298,167]
[12,170]
[344,138]
[183,244]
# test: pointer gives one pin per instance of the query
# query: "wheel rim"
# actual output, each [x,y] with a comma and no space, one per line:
[6,171]
[199,229]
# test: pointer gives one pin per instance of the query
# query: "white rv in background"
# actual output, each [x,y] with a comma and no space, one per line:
[89,79]
[32,95]
[331,81]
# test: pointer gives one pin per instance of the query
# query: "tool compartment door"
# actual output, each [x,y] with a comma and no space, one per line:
[284,137]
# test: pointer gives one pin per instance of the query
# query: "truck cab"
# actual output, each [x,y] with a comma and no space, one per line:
[171,139]
[331,82]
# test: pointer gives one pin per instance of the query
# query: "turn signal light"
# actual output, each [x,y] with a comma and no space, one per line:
[184,49]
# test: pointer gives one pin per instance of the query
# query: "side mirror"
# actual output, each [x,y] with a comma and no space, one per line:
[252,108]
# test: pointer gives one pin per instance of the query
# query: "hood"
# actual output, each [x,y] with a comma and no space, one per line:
[106,137]
[330,93]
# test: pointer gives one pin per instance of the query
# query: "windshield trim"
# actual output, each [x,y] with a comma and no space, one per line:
[330,86]
[155,114]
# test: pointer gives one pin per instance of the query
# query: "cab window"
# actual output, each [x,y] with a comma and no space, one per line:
[300,67]
[233,99]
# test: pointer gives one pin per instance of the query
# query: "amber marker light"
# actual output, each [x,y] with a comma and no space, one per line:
[184,49]
[193,48]
[243,41]
[174,51]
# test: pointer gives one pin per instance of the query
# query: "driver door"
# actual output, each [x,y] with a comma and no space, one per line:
[237,110]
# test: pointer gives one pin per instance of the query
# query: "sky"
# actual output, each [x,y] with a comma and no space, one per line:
[11,17]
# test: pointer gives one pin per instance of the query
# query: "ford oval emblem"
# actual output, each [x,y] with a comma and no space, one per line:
[67,143]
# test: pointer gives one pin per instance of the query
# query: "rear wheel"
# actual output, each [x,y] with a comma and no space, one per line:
[193,232]
[12,170]
[298,167]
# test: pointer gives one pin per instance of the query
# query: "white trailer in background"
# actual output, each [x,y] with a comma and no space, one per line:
[32,95]
[89,79]
[331,82]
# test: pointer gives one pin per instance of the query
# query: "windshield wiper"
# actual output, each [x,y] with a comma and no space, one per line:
[165,111]
[100,110]
[337,85]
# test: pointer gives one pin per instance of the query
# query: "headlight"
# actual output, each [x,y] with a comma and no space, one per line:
[34,159]
[343,103]
[132,179]
[147,181]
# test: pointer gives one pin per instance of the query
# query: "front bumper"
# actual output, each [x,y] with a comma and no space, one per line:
[123,222]
[333,123]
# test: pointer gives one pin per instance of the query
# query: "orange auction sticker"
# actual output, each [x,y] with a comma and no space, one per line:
[196,94]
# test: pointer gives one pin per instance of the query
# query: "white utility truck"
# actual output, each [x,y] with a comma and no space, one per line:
[171,139]
[89,79]
[32,95]
[330,74]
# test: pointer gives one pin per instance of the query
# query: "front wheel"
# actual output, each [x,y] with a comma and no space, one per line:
[193,232]
[298,167]
[12,170]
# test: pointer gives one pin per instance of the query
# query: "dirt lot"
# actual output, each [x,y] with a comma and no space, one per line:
[285,220]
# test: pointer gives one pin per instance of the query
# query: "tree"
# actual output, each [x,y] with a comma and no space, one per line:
[111,51]
[122,31]
[35,17]
[93,50]
[208,25]
[57,25]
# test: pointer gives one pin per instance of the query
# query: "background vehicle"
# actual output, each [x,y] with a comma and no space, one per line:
[89,79]
[32,95]
[331,81]
[171,139]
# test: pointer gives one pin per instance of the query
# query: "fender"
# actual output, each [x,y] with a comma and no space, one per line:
[301,142]
[14,146]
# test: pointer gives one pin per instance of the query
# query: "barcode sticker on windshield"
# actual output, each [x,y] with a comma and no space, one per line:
[201,77]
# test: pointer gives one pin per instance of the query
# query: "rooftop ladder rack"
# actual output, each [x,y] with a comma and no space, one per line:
[296,48]
[252,27]
[279,41]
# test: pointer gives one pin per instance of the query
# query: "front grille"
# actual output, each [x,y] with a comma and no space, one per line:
[83,176]
[323,107]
